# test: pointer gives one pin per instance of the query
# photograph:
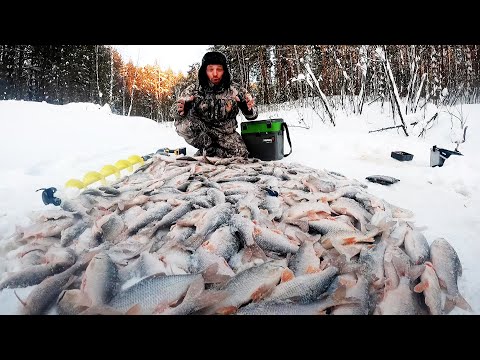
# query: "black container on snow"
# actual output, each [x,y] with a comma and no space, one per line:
[264,138]
[401,155]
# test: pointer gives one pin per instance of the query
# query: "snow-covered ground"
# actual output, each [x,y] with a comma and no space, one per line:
[45,145]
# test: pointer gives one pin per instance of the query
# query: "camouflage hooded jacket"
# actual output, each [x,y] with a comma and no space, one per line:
[215,107]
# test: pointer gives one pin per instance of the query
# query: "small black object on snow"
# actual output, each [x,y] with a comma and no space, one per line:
[401,155]
[382,179]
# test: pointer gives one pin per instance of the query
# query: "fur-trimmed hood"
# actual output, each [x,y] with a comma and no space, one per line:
[214,58]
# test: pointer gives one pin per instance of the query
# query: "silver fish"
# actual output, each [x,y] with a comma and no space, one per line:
[305,261]
[250,284]
[305,288]
[274,240]
[222,242]
[195,299]
[416,246]
[448,268]
[145,265]
[350,207]
[315,184]
[317,307]
[202,259]
[154,293]
[73,232]
[33,275]
[430,287]
[373,259]
[46,293]
[359,291]
[211,221]
[154,214]
[101,281]
[399,301]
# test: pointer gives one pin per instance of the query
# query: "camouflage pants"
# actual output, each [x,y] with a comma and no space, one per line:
[215,143]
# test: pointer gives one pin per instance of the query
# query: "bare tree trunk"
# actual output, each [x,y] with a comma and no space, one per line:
[96,68]
[133,86]
[240,66]
[322,95]
[415,103]
[347,81]
[395,92]
[468,75]
[363,64]
[123,96]
[299,83]
[111,77]
[413,76]
[131,94]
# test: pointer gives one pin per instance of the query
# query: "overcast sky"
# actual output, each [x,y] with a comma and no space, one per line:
[177,57]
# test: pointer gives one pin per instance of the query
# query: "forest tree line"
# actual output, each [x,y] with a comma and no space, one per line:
[60,74]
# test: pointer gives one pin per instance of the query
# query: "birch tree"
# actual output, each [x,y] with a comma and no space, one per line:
[396,97]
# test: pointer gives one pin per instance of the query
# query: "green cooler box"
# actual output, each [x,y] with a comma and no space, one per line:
[264,138]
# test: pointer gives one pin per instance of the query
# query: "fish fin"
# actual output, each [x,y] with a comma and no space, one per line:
[209,298]
[134,310]
[457,300]
[340,293]
[228,310]
[193,242]
[302,224]
[254,251]
[411,224]
[312,215]
[312,269]
[211,276]
[420,287]
[462,303]
[262,292]
[303,238]
[287,275]
[19,299]
[247,255]
[399,266]
[370,227]
[195,289]
[449,305]
[84,300]
[160,308]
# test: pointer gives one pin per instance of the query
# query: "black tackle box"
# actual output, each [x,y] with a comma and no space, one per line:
[264,138]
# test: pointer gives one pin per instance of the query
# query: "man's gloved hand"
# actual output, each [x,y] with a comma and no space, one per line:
[248,101]
[183,105]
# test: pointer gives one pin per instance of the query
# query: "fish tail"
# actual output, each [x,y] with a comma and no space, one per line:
[458,300]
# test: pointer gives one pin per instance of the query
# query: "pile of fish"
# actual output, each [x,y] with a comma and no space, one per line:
[197,235]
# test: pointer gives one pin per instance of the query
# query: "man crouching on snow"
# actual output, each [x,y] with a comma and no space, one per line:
[205,113]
